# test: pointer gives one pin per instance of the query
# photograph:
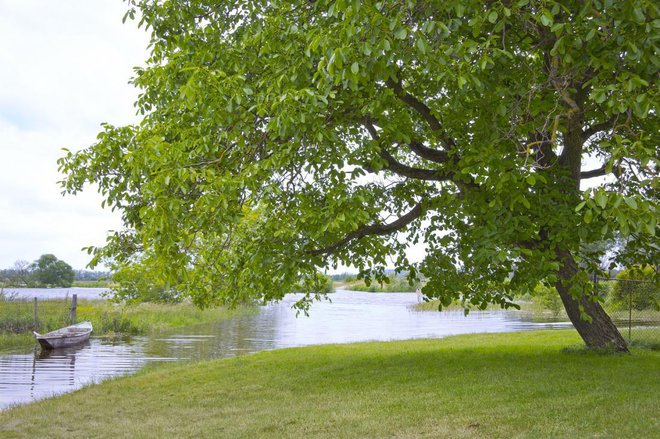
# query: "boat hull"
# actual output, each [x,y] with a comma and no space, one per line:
[56,343]
[65,337]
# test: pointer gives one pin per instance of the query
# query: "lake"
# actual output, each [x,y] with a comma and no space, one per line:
[349,317]
[55,293]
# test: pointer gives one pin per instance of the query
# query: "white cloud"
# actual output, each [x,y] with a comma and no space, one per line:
[65,69]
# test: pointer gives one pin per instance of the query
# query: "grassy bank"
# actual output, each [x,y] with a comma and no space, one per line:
[490,385]
[432,305]
[396,285]
[93,283]
[12,342]
[17,318]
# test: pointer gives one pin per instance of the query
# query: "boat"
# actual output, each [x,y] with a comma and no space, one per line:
[64,337]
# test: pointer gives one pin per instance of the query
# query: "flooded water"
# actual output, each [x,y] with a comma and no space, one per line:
[350,317]
[55,293]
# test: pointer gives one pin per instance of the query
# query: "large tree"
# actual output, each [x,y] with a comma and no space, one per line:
[50,271]
[283,137]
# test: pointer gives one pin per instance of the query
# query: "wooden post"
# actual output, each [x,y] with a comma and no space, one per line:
[36,316]
[629,311]
[74,305]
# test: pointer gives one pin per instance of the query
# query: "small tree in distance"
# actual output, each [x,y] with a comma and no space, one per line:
[50,271]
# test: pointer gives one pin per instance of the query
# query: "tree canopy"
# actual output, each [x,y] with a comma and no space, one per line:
[280,138]
[50,271]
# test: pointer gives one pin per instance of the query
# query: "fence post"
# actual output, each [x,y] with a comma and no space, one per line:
[74,305]
[629,312]
[36,316]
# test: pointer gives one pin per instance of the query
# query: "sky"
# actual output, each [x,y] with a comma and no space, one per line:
[64,70]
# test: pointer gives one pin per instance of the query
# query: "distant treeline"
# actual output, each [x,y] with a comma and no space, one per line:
[85,275]
[47,271]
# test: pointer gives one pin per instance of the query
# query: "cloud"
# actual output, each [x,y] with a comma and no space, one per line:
[65,69]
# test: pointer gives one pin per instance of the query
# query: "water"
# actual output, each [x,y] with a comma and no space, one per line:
[55,293]
[351,317]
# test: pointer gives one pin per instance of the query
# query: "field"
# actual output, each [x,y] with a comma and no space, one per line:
[533,384]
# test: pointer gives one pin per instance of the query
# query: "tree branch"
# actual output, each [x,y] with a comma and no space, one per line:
[418,173]
[616,170]
[593,173]
[423,111]
[434,155]
[373,229]
[599,127]
[399,168]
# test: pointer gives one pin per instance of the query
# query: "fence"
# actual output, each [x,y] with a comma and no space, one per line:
[634,305]
[20,316]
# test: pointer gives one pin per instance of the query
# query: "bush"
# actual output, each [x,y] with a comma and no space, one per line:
[140,283]
[395,284]
[319,283]
[548,298]
[639,285]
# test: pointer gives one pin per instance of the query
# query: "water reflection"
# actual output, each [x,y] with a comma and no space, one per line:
[351,317]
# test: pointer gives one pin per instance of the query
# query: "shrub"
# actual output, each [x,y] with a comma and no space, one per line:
[638,285]
[548,298]
[139,283]
[318,283]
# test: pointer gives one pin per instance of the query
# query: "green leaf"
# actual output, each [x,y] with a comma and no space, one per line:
[421,45]
[588,216]
[401,33]
[355,68]
[601,199]
[546,18]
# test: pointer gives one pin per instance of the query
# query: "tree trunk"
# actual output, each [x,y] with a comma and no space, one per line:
[601,332]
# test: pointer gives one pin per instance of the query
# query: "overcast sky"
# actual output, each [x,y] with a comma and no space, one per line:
[64,69]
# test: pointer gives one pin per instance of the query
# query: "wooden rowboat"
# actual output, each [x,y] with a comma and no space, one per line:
[64,337]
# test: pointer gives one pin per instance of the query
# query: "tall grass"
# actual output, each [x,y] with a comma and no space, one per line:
[17,316]
[101,283]
[396,284]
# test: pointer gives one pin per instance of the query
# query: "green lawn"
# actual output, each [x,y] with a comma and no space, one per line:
[487,385]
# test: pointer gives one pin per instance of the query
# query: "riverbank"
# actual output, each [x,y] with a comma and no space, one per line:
[396,285]
[485,385]
[108,319]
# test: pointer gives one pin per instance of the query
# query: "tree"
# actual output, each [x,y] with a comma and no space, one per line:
[19,275]
[280,138]
[48,270]
[22,275]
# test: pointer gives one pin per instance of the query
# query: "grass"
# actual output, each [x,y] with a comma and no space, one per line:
[15,342]
[108,319]
[148,317]
[646,337]
[396,285]
[432,305]
[472,386]
[105,283]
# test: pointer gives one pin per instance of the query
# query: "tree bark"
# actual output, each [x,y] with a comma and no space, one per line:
[600,333]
